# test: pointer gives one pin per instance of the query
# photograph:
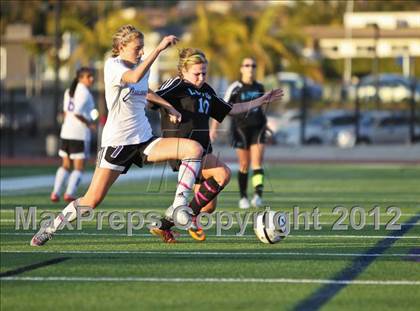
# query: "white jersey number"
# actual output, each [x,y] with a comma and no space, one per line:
[204,105]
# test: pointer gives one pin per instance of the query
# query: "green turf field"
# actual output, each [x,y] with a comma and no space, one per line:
[364,269]
[27,170]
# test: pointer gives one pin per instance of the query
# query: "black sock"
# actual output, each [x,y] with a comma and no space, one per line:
[243,184]
[258,181]
[208,190]
[166,224]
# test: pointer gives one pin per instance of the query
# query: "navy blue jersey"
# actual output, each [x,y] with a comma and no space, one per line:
[197,106]
[239,92]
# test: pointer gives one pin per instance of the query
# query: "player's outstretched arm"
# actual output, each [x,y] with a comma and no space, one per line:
[269,97]
[133,76]
[174,115]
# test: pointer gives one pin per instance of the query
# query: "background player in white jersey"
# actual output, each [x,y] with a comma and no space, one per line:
[75,134]
[248,133]
[197,101]
[127,136]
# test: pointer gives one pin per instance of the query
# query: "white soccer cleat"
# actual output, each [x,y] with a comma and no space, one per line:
[244,203]
[257,201]
[41,237]
[169,212]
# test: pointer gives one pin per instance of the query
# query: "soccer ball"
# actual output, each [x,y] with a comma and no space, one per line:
[271,227]
[180,215]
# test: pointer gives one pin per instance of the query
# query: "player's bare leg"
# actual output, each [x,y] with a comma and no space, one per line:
[102,180]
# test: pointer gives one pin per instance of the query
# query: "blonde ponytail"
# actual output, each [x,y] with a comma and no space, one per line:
[189,57]
[123,36]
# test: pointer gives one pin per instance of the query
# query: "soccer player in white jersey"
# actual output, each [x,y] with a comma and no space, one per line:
[127,136]
[75,134]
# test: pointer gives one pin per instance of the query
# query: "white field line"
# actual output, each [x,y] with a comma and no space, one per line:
[12,184]
[198,253]
[208,280]
[223,236]
[33,182]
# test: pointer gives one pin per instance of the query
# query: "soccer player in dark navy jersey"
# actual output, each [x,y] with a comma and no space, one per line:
[248,133]
[197,102]
[197,106]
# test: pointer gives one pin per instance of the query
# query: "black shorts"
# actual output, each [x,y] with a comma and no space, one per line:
[243,138]
[120,158]
[74,149]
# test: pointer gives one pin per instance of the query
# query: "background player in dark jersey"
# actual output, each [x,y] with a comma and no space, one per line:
[197,102]
[248,132]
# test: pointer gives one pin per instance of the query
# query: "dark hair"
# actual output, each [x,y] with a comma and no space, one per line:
[249,57]
[79,73]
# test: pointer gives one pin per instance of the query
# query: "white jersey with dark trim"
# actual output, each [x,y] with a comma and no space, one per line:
[127,123]
[81,104]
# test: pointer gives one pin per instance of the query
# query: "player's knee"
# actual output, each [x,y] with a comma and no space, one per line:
[79,167]
[224,174]
[196,150]
[209,208]
[228,173]
[243,167]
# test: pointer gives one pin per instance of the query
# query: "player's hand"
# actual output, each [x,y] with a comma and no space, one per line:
[174,115]
[272,96]
[166,42]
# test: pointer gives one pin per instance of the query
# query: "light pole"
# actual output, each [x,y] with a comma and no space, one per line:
[376,35]
[412,123]
[57,43]
[347,59]
[303,111]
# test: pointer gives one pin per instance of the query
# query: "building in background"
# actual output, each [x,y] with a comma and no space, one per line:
[369,35]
